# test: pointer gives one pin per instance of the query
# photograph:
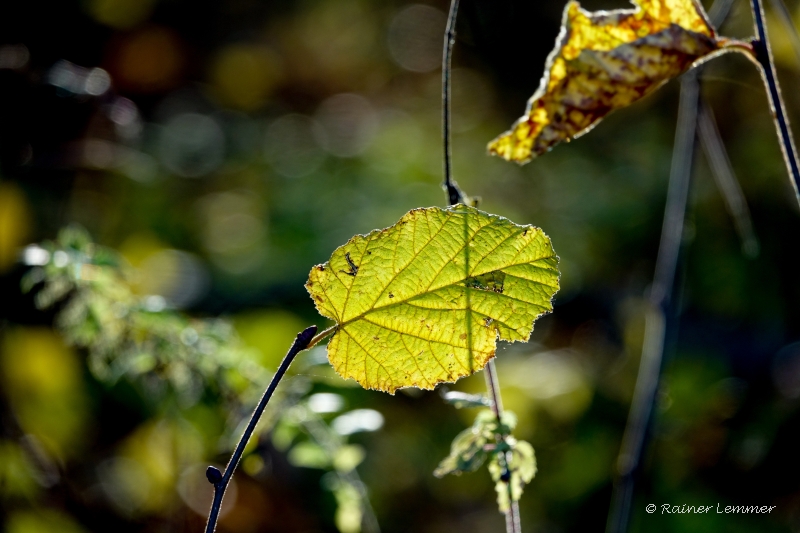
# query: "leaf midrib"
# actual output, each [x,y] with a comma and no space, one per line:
[457,282]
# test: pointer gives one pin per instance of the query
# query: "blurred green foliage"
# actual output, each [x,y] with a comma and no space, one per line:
[512,463]
[174,361]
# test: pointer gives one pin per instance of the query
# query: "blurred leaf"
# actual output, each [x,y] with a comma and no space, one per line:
[425,300]
[41,521]
[470,447]
[130,335]
[283,434]
[142,477]
[268,331]
[511,470]
[522,464]
[17,477]
[461,400]
[309,455]
[467,453]
[14,224]
[356,421]
[605,61]
[42,379]
[243,75]
[348,511]
[348,457]
[121,14]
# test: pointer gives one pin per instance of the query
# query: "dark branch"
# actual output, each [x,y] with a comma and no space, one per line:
[219,480]
[454,194]
[763,54]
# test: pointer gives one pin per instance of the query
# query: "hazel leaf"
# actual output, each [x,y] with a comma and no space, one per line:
[607,60]
[424,301]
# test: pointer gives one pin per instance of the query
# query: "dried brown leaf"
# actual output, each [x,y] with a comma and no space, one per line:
[607,60]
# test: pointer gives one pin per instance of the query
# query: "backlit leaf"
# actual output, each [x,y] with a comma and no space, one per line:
[607,60]
[425,300]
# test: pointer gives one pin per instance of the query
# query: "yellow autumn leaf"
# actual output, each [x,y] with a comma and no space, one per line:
[424,301]
[607,60]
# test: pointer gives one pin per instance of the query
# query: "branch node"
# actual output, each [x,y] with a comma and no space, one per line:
[213,475]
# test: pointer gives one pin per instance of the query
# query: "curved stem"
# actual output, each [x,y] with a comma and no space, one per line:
[220,480]
[763,55]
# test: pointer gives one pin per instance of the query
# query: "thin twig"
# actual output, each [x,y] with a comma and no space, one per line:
[763,55]
[454,194]
[646,388]
[726,181]
[786,18]
[644,396]
[220,480]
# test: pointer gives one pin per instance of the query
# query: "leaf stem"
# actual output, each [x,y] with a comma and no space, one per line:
[321,335]
[220,480]
[493,386]
[763,55]
[454,193]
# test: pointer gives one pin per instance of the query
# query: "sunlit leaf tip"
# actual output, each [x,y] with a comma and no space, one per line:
[424,301]
[607,60]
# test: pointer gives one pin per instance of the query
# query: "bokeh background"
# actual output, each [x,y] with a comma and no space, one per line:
[217,150]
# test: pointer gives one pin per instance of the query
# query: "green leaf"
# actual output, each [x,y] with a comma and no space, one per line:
[425,300]
[467,453]
[518,462]
[523,461]
[470,447]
